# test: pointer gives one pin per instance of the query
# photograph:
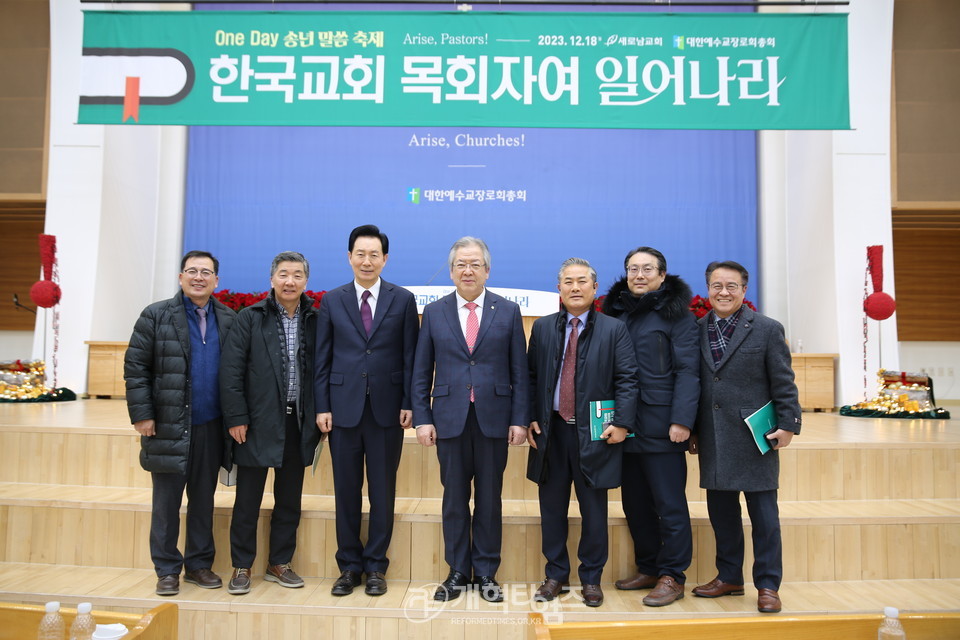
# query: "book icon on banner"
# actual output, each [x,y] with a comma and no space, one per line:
[762,422]
[601,413]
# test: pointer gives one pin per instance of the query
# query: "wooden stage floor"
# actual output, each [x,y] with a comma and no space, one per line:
[870,507]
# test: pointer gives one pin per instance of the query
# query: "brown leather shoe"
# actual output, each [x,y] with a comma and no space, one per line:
[203,578]
[768,601]
[639,581]
[716,588]
[667,591]
[592,595]
[283,575]
[239,582]
[168,585]
[548,590]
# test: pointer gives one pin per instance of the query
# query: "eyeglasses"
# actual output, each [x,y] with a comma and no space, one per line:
[193,273]
[731,287]
[473,266]
[647,270]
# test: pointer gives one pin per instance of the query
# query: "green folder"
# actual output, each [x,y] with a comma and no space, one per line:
[760,423]
[601,413]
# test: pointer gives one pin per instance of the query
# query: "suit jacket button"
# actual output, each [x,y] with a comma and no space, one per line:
[472,362]
[363,375]
[369,351]
[716,406]
[468,386]
[716,379]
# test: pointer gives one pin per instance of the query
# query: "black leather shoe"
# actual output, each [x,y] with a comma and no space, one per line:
[489,588]
[451,588]
[376,584]
[345,583]
[168,585]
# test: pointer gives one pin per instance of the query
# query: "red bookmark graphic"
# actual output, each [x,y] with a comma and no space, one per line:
[131,99]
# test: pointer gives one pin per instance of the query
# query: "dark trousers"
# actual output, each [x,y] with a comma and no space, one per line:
[381,448]
[200,481]
[727,521]
[655,503]
[287,491]
[563,468]
[472,542]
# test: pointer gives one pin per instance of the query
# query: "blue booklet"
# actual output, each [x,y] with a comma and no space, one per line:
[762,422]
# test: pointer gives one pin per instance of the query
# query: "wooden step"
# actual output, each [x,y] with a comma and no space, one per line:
[836,458]
[827,540]
[270,612]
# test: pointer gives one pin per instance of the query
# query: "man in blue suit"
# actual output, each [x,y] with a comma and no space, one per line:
[471,360]
[366,338]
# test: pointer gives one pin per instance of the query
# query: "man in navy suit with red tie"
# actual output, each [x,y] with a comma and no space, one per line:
[471,361]
[366,339]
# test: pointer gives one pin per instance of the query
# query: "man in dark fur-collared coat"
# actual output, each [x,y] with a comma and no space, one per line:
[656,309]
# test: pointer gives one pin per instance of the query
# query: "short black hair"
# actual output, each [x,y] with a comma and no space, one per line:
[728,264]
[369,231]
[200,254]
[661,261]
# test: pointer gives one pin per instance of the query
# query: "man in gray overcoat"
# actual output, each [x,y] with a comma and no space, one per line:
[744,364]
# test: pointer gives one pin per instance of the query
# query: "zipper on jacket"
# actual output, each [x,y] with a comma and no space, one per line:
[663,368]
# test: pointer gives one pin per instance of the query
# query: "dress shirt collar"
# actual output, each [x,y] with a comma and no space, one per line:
[374,290]
[461,301]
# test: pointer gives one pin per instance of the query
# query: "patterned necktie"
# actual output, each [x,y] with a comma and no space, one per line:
[473,328]
[568,374]
[203,325]
[365,314]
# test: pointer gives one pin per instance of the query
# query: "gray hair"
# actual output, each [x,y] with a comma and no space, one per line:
[290,256]
[469,241]
[580,262]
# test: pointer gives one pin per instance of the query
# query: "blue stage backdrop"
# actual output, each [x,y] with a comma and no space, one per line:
[536,196]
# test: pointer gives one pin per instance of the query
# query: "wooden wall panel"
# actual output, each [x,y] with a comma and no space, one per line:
[22,222]
[24,63]
[926,263]
[926,69]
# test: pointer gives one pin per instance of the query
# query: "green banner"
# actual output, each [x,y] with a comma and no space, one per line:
[591,70]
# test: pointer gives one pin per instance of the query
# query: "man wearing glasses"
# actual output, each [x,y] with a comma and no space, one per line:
[655,306]
[744,364]
[171,370]
[471,360]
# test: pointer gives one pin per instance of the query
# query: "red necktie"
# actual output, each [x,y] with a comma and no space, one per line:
[473,328]
[568,374]
[365,314]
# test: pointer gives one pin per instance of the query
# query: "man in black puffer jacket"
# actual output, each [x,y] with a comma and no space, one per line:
[173,396]
[656,309]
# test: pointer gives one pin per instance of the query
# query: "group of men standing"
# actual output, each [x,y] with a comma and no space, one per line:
[208,388]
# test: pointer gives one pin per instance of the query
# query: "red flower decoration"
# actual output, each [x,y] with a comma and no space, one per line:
[699,305]
[236,300]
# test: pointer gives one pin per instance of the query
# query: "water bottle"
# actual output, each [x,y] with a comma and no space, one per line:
[890,628]
[51,625]
[83,625]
